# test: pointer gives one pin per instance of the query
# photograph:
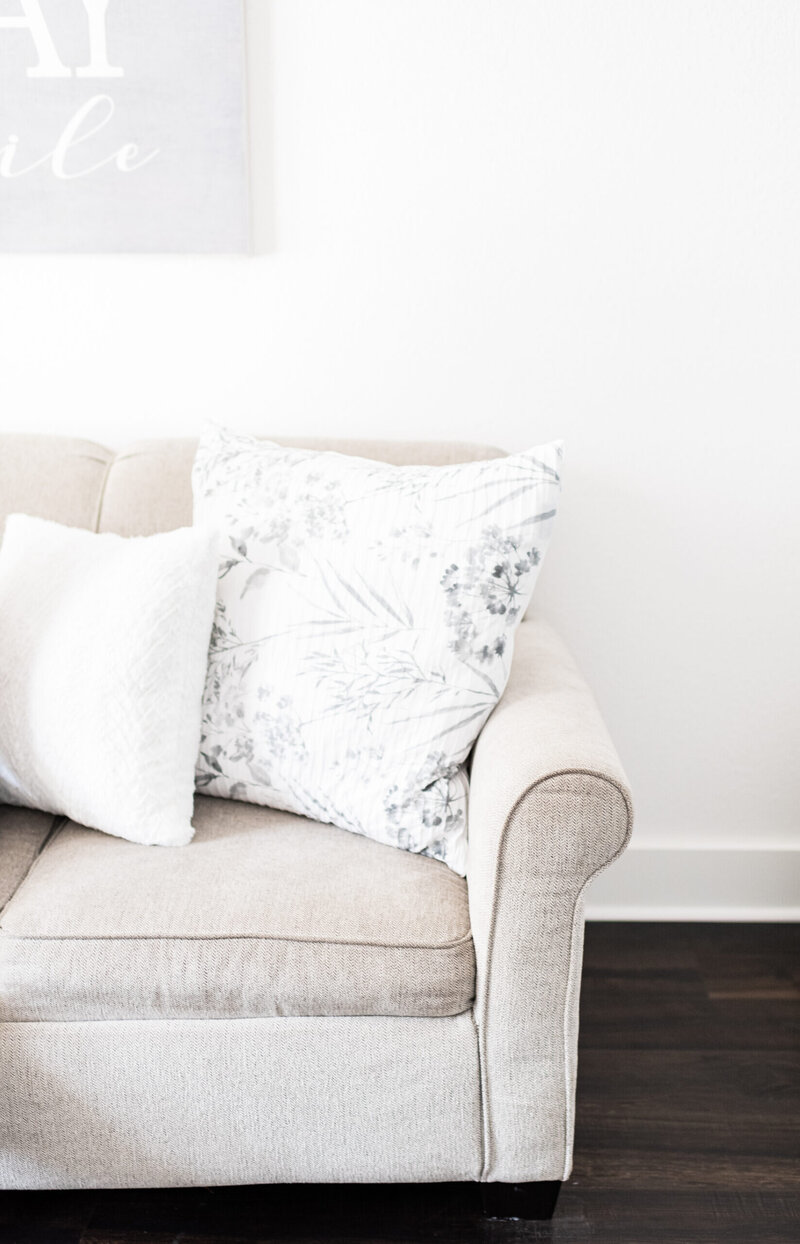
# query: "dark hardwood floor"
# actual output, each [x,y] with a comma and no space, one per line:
[688,1123]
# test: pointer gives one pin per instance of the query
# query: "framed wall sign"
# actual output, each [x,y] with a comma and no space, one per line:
[123,126]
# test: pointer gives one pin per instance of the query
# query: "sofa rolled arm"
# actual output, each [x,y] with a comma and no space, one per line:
[549,809]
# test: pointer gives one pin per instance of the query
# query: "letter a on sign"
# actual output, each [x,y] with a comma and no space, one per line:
[32,19]
[136,141]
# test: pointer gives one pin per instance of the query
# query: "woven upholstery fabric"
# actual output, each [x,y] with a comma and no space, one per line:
[164,1104]
[22,834]
[550,808]
[149,486]
[265,914]
[55,477]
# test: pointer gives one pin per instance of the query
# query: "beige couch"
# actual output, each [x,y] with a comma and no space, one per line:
[283,1001]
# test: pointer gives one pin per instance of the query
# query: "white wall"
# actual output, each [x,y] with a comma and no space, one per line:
[508,220]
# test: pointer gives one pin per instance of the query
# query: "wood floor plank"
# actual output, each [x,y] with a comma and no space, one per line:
[678,1217]
[609,946]
[656,1009]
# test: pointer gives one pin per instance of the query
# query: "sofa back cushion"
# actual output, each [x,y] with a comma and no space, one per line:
[55,477]
[149,485]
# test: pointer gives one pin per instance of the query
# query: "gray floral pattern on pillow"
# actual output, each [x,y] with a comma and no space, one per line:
[364,629]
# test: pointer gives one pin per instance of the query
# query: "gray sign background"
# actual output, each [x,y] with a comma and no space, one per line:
[132,134]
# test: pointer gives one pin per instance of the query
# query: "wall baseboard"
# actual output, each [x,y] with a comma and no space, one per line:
[723,884]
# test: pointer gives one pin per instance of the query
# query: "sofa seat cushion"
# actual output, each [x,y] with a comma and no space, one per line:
[264,914]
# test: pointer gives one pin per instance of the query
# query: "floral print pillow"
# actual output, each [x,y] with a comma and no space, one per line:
[364,629]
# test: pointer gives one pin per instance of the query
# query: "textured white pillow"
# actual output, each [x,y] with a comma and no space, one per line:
[364,629]
[103,649]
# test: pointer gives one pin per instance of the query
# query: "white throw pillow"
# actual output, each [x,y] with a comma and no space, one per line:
[364,629]
[103,650]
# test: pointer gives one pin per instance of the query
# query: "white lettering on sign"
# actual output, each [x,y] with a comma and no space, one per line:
[50,64]
[90,119]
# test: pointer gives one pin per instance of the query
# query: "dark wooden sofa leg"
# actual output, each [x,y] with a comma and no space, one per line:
[520,1200]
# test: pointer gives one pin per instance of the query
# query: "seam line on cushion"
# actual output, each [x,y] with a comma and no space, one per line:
[483,1013]
[229,1019]
[218,1019]
[233,937]
[127,455]
[481,1129]
[57,824]
[102,496]
[147,447]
